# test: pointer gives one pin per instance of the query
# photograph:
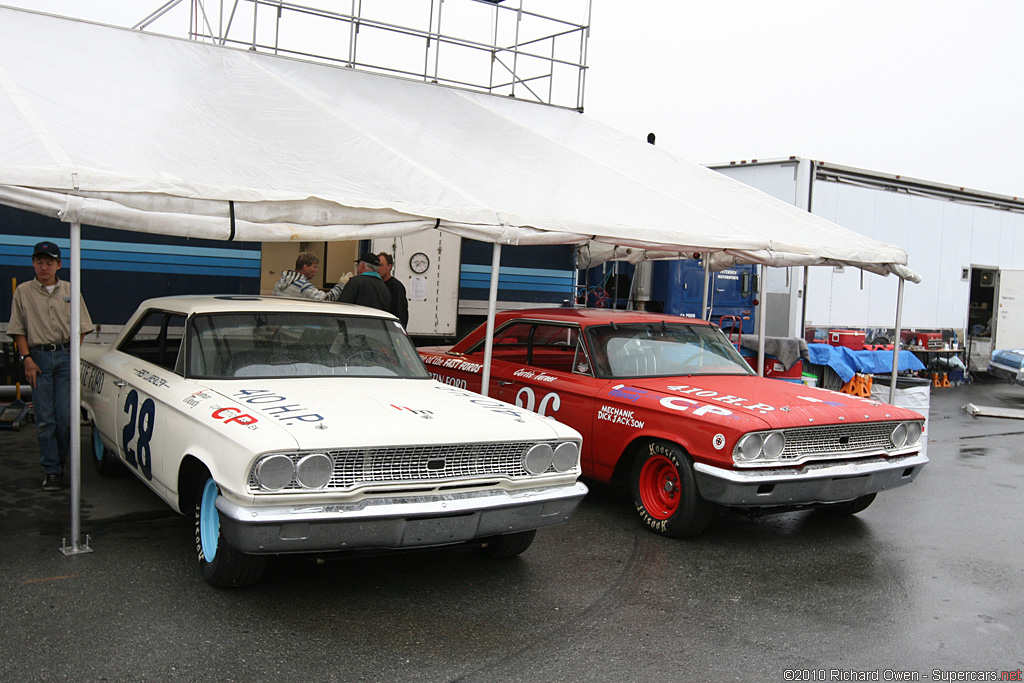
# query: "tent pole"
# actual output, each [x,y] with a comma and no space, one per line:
[492,305]
[75,454]
[803,306]
[896,344]
[704,314]
[762,321]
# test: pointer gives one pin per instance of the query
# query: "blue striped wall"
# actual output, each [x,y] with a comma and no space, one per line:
[185,259]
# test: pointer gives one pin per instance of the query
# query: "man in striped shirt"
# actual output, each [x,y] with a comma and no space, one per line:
[296,283]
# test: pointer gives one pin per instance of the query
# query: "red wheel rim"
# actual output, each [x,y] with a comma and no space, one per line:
[659,487]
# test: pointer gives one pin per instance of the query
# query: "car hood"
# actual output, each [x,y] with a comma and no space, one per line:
[773,403]
[335,413]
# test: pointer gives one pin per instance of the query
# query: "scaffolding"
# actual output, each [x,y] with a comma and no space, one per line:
[493,46]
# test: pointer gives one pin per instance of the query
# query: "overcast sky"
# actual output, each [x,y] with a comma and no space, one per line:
[930,89]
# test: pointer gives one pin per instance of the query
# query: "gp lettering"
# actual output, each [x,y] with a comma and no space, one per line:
[227,415]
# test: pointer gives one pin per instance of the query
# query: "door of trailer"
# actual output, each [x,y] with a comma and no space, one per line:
[1008,318]
[427,263]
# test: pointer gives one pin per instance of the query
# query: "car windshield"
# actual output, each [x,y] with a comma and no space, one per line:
[267,345]
[663,350]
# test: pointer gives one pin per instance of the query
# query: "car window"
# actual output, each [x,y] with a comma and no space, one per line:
[663,350]
[156,339]
[511,343]
[553,347]
[543,345]
[285,344]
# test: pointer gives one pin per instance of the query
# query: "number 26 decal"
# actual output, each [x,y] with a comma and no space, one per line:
[142,456]
[525,398]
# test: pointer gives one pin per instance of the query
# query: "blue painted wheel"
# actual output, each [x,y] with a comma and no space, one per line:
[209,521]
[222,565]
[105,460]
[97,444]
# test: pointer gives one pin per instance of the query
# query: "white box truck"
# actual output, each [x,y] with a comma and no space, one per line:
[967,245]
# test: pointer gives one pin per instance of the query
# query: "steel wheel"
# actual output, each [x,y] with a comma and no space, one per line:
[659,487]
[665,492]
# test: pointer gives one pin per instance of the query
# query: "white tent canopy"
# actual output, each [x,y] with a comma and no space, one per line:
[123,129]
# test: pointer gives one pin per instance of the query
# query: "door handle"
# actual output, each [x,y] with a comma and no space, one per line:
[503,383]
[119,383]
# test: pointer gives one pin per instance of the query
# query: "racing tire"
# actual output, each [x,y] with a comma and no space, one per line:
[508,545]
[222,565]
[665,492]
[103,458]
[850,507]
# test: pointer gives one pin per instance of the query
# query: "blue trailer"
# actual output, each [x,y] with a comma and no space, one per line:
[677,288]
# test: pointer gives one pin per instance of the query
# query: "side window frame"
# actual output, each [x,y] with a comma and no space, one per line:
[156,350]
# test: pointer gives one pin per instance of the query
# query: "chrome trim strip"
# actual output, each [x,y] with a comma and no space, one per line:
[817,471]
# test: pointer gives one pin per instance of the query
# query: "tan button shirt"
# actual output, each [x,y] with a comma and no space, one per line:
[45,318]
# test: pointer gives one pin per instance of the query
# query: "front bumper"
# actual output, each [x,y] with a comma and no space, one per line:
[379,523]
[814,483]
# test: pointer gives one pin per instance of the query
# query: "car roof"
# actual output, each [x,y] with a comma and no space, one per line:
[221,303]
[593,316]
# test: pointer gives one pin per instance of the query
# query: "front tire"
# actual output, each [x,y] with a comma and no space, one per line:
[665,492]
[103,458]
[508,545]
[222,565]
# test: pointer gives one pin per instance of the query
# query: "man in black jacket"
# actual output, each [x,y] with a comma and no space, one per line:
[366,288]
[399,300]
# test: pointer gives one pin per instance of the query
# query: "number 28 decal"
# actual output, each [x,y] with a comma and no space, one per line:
[141,457]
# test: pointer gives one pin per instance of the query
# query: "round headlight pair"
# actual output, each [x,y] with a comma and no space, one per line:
[906,434]
[759,446]
[540,457]
[312,471]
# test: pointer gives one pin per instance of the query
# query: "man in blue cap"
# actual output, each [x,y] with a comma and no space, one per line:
[41,328]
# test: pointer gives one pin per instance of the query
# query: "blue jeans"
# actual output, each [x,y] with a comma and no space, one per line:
[51,400]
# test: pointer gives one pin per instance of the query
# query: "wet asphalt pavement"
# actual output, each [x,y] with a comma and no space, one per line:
[928,581]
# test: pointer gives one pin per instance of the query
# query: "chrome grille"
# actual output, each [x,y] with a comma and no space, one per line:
[411,464]
[832,441]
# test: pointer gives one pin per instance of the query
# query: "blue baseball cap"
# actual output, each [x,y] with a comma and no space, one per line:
[46,249]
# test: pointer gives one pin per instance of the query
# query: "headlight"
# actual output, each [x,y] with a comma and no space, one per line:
[314,470]
[566,456]
[275,472]
[899,435]
[774,444]
[538,459]
[762,446]
[748,447]
[914,430]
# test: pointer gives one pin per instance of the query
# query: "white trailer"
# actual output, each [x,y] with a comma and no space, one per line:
[967,245]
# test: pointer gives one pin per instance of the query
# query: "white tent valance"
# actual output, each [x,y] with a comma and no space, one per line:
[123,129]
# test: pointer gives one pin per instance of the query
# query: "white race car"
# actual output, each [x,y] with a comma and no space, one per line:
[290,426]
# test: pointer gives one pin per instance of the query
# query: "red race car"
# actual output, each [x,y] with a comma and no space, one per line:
[668,406]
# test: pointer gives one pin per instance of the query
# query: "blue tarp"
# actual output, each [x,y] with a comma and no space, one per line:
[847,362]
